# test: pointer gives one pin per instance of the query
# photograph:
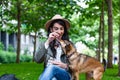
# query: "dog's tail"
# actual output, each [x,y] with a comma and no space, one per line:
[104,63]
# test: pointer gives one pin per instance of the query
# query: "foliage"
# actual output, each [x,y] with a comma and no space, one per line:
[6,57]
[1,46]
[87,23]
[25,58]
[10,48]
[26,51]
[10,57]
[34,14]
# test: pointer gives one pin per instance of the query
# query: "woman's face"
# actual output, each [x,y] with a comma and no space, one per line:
[58,29]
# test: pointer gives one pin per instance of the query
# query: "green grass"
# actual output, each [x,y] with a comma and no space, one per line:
[111,74]
[31,71]
[23,71]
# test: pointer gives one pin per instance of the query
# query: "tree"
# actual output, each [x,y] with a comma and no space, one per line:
[103,30]
[110,33]
[119,51]
[119,43]
[99,40]
[19,31]
[101,34]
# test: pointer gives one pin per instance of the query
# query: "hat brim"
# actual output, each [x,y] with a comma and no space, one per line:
[50,21]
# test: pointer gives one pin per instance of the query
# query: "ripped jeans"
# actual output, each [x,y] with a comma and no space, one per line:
[53,72]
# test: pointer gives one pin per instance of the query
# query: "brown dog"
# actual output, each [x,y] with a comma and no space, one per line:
[80,63]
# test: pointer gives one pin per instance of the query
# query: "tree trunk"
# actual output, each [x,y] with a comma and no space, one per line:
[101,35]
[102,24]
[119,51]
[110,34]
[19,32]
[119,44]
[34,42]
[99,42]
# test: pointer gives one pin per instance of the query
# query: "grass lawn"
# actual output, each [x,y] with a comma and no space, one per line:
[31,71]
[23,71]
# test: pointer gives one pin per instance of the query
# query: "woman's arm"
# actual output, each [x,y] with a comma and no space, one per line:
[40,53]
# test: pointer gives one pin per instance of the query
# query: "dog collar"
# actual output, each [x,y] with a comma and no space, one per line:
[70,55]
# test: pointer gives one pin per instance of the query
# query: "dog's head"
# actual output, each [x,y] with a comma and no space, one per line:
[67,47]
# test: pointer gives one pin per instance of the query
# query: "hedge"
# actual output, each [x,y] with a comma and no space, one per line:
[10,57]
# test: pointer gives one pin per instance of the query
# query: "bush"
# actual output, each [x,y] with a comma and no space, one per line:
[1,46]
[25,58]
[10,57]
[7,57]
[10,48]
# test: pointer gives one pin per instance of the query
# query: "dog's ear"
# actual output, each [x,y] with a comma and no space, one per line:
[67,42]
[67,45]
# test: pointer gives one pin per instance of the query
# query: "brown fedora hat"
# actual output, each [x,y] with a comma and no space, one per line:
[57,16]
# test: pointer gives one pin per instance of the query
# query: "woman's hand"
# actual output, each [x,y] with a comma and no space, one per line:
[52,36]
[60,64]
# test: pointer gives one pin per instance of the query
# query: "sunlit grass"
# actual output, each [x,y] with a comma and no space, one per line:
[111,74]
[31,71]
[23,71]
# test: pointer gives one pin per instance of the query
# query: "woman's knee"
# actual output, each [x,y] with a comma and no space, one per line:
[54,78]
[52,67]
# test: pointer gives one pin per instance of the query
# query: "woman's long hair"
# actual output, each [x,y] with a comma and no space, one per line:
[64,37]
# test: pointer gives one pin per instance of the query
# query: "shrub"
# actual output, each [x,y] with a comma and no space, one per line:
[7,57]
[1,46]
[10,48]
[10,57]
[26,51]
[25,58]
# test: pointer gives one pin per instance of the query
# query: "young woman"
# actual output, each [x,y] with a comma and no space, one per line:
[50,52]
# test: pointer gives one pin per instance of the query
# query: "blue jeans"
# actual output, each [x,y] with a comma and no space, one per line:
[53,72]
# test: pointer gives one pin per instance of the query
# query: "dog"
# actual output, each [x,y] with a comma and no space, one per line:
[8,77]
[81,63]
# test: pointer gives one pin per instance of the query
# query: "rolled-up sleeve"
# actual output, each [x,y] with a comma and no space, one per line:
[40,53]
